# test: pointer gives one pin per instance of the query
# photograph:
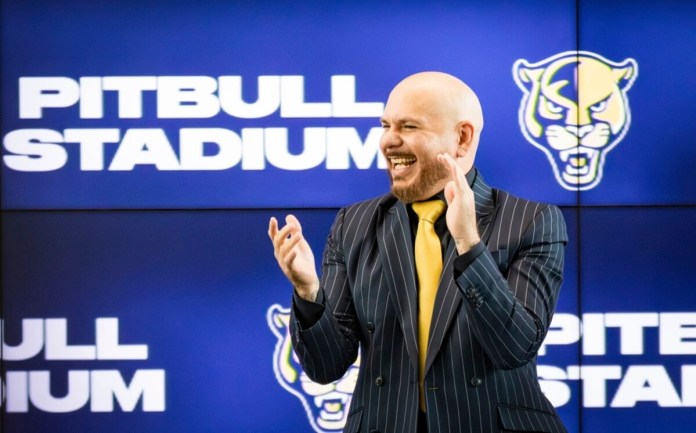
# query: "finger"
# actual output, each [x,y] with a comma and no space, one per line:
[446,159]
[450,192]
[451,164]
[290,219]
[291,228]
[456,172]
[283,234]
[289,258]
[272,228]
[290,243]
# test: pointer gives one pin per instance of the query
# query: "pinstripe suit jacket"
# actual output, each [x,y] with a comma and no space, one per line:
[486,329]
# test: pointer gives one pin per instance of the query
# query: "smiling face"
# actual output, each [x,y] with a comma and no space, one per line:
[419,122]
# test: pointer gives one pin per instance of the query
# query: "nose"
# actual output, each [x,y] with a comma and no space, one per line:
[578,117]
[390,138]
[579,132]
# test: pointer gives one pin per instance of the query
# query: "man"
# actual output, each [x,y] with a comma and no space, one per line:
[448,336]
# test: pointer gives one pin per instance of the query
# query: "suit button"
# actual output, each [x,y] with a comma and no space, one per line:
[476,381]
[379,381]
[370,327]
[471,292]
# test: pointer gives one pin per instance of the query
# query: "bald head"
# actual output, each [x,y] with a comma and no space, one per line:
[444,98]
[428,114]
[451,91]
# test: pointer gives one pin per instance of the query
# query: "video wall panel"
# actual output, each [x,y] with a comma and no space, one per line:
[639,319]
[248,104]
[145,321]
[652,163]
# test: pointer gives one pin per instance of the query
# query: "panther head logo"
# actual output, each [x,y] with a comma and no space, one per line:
[326,405]
[575,110]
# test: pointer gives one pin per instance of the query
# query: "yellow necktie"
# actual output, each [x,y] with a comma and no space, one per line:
[428,269]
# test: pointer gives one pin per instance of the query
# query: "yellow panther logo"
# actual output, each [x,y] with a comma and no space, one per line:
[575,110]
[326,405]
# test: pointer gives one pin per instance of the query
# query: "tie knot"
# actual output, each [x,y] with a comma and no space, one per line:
[429,210]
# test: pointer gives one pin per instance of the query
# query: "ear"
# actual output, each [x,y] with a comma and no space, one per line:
[465,132]
[625,74]
[525,75]
[278,318]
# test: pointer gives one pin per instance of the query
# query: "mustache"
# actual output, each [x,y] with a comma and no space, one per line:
[398,155]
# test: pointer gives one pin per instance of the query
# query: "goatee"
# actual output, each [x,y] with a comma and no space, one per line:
[432,173]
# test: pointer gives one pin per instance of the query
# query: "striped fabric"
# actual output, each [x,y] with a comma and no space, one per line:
[486,329]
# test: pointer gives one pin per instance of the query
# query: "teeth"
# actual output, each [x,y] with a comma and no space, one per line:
[578,156]
[402,162]
[330,398]
[581,171]
[578,162]
[333,407]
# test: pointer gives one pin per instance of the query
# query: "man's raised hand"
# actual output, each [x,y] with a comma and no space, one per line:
[461,206]
[294,256]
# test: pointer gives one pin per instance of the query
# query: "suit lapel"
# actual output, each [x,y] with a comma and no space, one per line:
[396,247]
[448,295]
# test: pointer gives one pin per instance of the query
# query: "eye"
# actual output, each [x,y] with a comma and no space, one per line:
[599,107]
[553,107]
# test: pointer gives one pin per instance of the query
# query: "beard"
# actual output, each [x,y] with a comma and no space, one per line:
[432,172]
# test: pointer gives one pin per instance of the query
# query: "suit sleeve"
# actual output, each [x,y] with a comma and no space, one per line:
[329,345]
[511,315]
